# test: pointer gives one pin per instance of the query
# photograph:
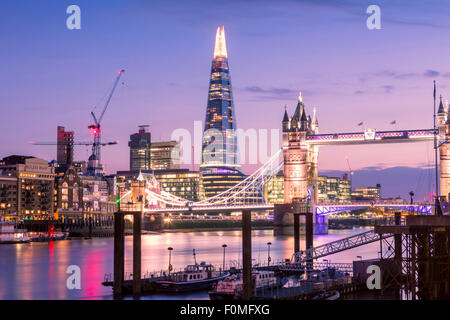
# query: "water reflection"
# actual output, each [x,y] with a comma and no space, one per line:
[38,270]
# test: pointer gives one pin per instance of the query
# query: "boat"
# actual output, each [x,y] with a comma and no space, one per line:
[195,277]
[231,288]
[44,237]
[9,233]
[327,295]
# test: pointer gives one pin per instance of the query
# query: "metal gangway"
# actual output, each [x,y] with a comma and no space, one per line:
[300,258]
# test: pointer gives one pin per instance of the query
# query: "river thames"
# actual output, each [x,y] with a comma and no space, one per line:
[38,270]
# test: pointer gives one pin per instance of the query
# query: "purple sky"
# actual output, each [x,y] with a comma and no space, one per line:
[53,76]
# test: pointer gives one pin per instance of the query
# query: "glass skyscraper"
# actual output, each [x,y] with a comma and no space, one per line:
[219,139]
[220,169]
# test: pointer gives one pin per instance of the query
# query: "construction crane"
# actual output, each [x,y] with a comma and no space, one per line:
[69,147]
[96,127]
[350,171]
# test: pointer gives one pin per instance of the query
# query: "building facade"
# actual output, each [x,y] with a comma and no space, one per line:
[64,147]
[333,189]
[274,190]
[33,193]
[140,150]
[165,155]
[219,138]
[178,182]
[300,160]
[69,192]
[367,193]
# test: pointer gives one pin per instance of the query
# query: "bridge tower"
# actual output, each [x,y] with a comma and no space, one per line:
[295,153]
[443,119]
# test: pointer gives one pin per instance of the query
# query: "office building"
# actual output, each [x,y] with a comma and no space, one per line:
[366,193]
[165,155]
[140,150]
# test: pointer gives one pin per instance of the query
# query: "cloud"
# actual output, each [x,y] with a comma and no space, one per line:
[387,88]
[431,73]
[274,93]
[359,92]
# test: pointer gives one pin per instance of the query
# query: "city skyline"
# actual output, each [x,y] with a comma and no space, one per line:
[318,58]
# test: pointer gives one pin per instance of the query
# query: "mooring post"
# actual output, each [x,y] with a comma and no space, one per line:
[247,253]
[398,254]
[296,232]
[118,253]
[137,220]
[309,228]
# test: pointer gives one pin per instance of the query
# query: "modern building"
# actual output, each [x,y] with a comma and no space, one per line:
[140,149]
[333,189]
[164,155]
[220,168]
[181,183]
[27,187]
[367,193]
[64,147]
[178,182]
[219,138]
[274,190]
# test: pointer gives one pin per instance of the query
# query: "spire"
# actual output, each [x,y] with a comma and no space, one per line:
[298,114]
[220,48]
[314,119]
[286,117]
[441,106]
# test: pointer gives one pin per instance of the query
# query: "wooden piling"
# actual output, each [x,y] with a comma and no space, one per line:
[247,254]
[137,221]
[119,253]
[296,232]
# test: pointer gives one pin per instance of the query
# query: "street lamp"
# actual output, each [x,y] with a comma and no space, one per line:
[268,253]
[170,258]
[223,246]
[411,195]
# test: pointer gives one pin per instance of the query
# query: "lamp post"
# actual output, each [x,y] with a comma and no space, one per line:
[411,195]
[170,259]
[223,246]
[268,253]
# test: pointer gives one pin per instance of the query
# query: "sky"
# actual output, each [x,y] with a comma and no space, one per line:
[54,76]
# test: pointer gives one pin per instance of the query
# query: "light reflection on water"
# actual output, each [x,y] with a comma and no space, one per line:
[38,270]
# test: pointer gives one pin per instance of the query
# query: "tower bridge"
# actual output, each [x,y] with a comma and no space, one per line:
[299,157]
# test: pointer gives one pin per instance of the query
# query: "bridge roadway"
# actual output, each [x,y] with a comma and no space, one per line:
[371,137]
[324,208]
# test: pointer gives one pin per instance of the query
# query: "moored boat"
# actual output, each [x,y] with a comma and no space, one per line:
[231,288]
[9,234]
[194,277]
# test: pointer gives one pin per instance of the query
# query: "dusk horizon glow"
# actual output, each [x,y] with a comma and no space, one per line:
[323,48]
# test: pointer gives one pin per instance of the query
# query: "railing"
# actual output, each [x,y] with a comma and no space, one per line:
[336,246]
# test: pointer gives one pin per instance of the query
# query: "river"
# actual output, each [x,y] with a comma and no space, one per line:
[38,270]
